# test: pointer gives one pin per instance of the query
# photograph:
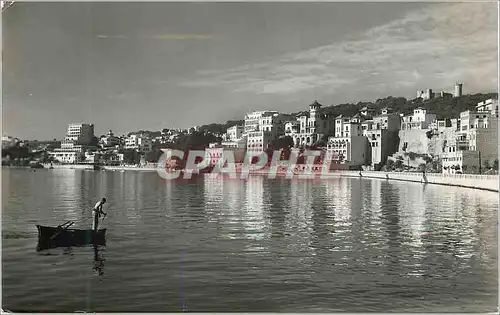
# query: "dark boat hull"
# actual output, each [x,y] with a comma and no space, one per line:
[51,237]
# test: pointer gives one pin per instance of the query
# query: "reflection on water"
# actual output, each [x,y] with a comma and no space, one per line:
[98,261]
[254,220]
[353,245]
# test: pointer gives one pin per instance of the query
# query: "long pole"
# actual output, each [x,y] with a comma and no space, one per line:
[480,163]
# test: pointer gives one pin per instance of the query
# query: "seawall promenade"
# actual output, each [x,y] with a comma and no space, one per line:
[483,182]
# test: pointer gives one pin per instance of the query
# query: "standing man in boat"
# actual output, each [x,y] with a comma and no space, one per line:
[97,212]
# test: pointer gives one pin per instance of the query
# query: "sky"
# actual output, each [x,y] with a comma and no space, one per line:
[132,66]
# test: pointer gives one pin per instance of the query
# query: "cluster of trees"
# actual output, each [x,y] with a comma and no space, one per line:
[220,128]
[442,107]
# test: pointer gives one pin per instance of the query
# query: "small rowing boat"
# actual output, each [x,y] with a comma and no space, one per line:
[63,236]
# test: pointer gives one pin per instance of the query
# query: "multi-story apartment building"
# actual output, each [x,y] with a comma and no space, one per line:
[263,127]
[419,120]
[382,134]
[476,140]
[489,105]
[79,134]
[234,133]
[347,126]
[351,149]
[310,127]
[137,142]
[259,140]
[252,120]
[79,138]
[110,140]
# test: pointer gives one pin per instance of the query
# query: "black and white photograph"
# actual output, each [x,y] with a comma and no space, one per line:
[275,157]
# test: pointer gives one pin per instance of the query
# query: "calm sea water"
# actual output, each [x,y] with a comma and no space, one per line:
[258,245]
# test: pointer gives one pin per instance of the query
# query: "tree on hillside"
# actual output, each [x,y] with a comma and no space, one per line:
[216,128]
[442,107]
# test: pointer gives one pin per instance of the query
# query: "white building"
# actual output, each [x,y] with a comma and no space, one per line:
[490,106]
[460,162]
[382,134]
[138,142]
[420,119]
[110,140]
[234,133]
[348,150]
[310,127]
[253,119]
[347,127]
[259,140]
[81,134]
[78,139]
[263,127]
[476,140]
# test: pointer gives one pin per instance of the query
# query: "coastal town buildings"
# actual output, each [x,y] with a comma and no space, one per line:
[419,120]
[346,126]
[138,142]
[234,133]
[253,120]
[110,140]
[310,127]
[8,141]
[261,128]
[78,139]
[351,150]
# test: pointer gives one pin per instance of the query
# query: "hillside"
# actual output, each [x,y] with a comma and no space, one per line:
[442,107]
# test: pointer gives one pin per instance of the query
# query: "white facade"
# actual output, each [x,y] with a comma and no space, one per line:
[420,119]
[110,140]
[80,133]
[490,106]
[460,161]
[235,144]
[252,120]
[78,139]
[69,157]
[139,143]
[308,128]
[350,150]
[347,127]
[259,140]
[234,133]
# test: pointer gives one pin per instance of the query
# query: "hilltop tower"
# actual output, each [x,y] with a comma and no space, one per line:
[457,92]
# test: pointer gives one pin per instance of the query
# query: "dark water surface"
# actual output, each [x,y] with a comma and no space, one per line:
[257,245]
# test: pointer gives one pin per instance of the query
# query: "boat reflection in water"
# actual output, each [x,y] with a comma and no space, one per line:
[54,237]
[98,260]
